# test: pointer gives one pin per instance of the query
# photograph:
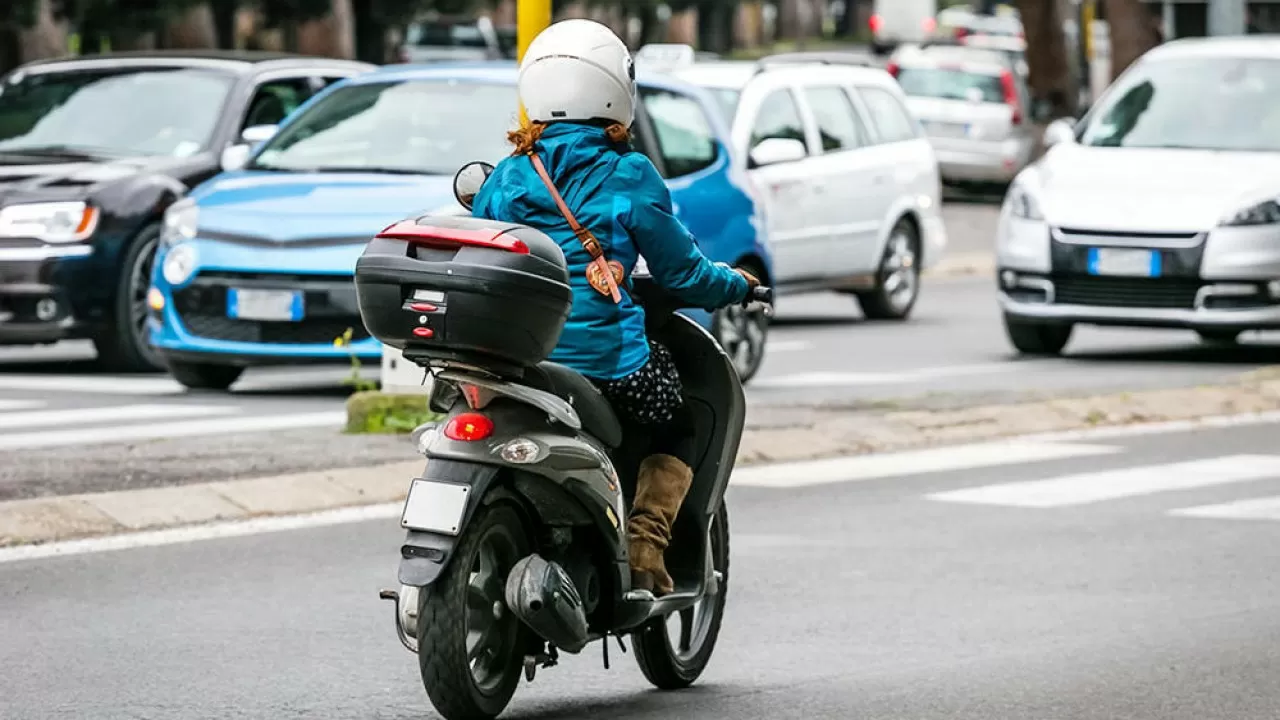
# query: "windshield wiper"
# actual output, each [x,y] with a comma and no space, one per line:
[369,169]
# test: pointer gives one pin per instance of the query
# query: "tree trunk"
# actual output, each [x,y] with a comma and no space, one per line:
[47,38]
[1133,32]
[329,36]
[371,35]
[790,17]
[195,28]
[1048,63]
[226,16]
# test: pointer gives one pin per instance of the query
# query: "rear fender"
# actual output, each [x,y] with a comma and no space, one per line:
[424,555]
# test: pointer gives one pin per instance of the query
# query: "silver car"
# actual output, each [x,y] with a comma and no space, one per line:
[1161,208]
[974,106]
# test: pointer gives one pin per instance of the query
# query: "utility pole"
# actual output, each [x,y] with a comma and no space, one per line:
[1227,17]
[532,17]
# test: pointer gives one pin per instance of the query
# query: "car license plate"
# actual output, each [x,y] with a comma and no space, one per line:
[434,506]
[1125,262]
[286,305]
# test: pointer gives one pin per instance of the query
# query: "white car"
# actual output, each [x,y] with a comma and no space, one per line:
[848,181]
[1161,208]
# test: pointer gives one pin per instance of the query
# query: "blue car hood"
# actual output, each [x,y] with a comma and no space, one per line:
[288,207]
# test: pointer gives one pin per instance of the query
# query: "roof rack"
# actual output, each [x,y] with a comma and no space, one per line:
[816,57]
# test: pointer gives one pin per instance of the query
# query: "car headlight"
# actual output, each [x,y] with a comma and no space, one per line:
[179,264]
[180,222]
[1022,204]
[1266,212]
[52,222]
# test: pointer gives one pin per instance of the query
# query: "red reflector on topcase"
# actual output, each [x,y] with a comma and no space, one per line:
[446,237]
[468,427]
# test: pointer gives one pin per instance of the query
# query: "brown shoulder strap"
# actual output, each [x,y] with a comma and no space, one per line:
[589,241]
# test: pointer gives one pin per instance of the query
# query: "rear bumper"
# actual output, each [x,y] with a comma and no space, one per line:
[981,162]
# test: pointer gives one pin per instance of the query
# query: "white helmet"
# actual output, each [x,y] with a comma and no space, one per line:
[578,70]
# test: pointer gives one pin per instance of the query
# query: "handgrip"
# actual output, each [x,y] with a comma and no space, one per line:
[759,294]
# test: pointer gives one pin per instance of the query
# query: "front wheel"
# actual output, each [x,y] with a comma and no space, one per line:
[1033,338]
[673,651]
[124,342]
[471,647]
[1219,337]
[204,376]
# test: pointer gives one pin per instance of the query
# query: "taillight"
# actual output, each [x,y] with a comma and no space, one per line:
[875,23]
[449,238]
[1011,96]
[468,427]
[962,33]
[892,69]
[929,24]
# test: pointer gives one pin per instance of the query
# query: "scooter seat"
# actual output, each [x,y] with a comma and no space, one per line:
[593,409]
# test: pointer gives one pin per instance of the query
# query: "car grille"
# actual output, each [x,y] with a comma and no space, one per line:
[1169,293]
[330,309]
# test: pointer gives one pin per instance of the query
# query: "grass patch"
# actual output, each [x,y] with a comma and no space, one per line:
[377,412]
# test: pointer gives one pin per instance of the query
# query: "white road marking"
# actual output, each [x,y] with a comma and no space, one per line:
[777,346]
[103,435]
[1084,488]
[1265,508]
[912,462]
[173,536]
[853,379]
[117,413]
[92,385]
[6,405]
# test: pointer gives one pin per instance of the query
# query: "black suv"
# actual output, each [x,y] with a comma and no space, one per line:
[92,151]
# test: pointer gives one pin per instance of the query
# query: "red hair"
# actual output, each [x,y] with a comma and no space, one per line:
[528,134]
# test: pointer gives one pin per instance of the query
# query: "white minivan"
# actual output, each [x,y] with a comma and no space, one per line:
[894,22]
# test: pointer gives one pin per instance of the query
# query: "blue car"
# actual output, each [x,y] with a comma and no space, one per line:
[255,266]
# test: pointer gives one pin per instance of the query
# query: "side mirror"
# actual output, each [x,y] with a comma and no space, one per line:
[1060,131]
[236,156]
[772,151]
[255,134]
[468,181]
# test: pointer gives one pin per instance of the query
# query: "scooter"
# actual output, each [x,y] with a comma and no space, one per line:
[516,545]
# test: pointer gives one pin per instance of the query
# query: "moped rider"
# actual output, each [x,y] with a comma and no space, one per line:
[574,176]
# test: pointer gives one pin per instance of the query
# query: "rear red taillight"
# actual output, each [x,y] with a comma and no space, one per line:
[892,69]
[962,33]
[929,24]
[450,238]
[1011,96]
[875,23]
[468,427]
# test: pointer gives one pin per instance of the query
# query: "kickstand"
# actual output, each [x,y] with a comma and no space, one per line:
[621,645]
[604,643]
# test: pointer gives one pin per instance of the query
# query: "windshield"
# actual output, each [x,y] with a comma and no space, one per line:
[950,84]
[430,128]
[133,111]
[1194,103]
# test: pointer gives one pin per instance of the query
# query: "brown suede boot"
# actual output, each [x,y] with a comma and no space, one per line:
[661,486]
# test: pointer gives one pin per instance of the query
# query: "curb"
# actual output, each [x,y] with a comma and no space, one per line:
[1254,398]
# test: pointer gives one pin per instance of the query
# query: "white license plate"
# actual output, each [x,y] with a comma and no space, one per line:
[286,305]
[1125,262]
[434,506]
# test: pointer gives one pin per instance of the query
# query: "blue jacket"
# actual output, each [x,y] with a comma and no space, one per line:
[618,195]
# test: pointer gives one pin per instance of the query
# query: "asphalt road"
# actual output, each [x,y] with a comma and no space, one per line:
[1149,592]
[144,430]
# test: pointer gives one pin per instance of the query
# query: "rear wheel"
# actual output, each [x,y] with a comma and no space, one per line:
[470,645]
[204,376]
[673,651]
[742,333]
[1032,338]
[898,280]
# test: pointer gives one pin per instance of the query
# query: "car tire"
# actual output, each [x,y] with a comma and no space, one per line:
[898,277]
[1219,337]
[204,376]
[743,333]
[123,343]
[1034,338]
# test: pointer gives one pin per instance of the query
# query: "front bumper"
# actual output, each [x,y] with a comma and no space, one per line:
[35,302]
[1224,279]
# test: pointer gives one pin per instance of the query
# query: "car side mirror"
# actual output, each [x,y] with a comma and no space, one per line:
[1060,131]
[236,156]
[256,134]
[466,184]
[772,151]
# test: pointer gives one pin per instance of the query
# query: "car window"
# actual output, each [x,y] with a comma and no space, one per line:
[778,117]
[892,122]
[838,123]
[134,111]
[1205,103]
[420,127]
[274,100]
[683,134]
[949,84]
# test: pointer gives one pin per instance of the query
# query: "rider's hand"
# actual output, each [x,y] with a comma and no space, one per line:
[751,279]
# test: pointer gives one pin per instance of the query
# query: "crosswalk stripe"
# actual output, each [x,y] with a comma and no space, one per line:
[913,462]
[875,377]
[111,413]
[7,405]
[92,385]
[1084,488]
[212,426]
[1264,508]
